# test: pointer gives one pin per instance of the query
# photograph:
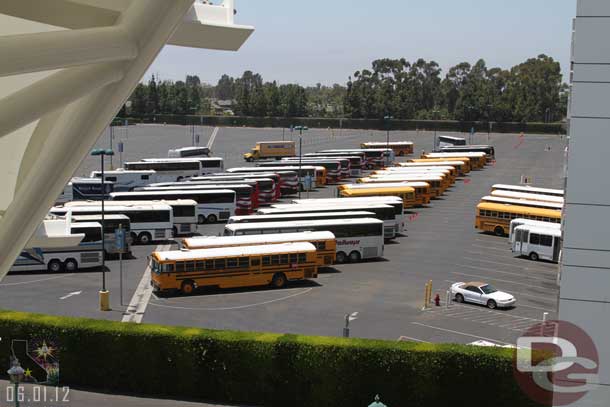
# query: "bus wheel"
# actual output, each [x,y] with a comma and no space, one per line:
[145,238]
[499,231]
[279,280]
[187,287]
[341,257]
[55,266]
[534,256]
[212,219]
[201,219]
[71,265]
[354,257]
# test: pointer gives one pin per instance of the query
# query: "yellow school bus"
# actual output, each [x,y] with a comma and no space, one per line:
[495,218]
[477,160]
[241,266]
[456,165]
[447,173]
[324,241]
[461,164]
[422,189]
[437,181]
[406,193]
[400,147]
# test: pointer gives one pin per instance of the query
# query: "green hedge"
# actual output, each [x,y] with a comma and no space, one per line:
[267,369]
[366,124]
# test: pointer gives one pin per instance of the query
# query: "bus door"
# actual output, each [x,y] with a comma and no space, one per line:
[556,248]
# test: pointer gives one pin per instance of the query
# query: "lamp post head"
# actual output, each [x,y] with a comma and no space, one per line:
[16,371]
[101,151]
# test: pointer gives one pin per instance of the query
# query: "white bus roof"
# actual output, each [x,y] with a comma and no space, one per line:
[457,154]
[283,208]
[542,224]
[303,223]
[431,164]
[123,207]
[438,170]
[186,186]
[86,225]
[267,170]
[522,202]
[236,219]
[243,240]
[192,148]
[540,230]
[232,175]
[180,159]
[238,251]
[123,171]
[82,180]
[530,189]
[170,202]
[374,199]
[383,143]
[97,216]
[451,137]
[292,167]
[361,150]
[420,168]
[177,191]
[525,195]
[415,184]
[434,176]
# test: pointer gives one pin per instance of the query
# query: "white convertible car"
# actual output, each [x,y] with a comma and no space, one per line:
[481,293]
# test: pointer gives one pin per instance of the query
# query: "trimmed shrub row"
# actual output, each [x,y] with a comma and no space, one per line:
[366,124]
[267,369]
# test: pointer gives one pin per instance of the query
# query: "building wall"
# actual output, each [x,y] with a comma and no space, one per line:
[585,269]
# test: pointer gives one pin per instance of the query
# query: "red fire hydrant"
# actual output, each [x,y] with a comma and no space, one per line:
[437,300]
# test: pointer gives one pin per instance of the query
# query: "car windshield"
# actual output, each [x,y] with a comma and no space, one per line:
[488,289]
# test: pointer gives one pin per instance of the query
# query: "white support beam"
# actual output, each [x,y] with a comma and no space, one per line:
[52,93]
[66,48]
[70,133]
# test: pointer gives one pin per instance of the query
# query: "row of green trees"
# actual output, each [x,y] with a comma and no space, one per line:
[532,91]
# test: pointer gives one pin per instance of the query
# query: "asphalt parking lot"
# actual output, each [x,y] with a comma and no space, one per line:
[440,244]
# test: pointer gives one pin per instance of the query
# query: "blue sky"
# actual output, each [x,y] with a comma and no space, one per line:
[327,40]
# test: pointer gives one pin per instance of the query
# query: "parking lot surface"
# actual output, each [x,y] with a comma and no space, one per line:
[440,244]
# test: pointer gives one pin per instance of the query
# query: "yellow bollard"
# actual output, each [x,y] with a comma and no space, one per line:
[104,300]
[425,297]
[429,298]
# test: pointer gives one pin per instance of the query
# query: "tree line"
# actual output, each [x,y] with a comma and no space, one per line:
[528,92]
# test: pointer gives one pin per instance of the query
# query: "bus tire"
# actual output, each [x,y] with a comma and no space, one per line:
[55,266]
[144,238]
[499,231]
[459,298]
[341,258]
[200,219]
[179,179]
[134,237]
[534,256]
[71,265]
[279,280]
[187,287]
[354,257]
[212,218]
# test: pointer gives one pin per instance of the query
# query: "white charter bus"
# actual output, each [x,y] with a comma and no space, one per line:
[357,239]
[537,243]
[127,180]
[448,141]
[111,224]
[392,224]
[169,169]
[208,165]
[213,205]
[529,222]
[185,152]
[148,222]
[184,212]
[70,258]
[528,190]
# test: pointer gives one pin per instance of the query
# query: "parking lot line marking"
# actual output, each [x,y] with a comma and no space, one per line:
[403,338]
[141,297]
[546,270]
[506,272]
[236,307]
[497,279]
[460,333]
[491,248]
[35,281]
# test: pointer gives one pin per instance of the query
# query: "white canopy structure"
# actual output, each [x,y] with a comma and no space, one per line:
[67,67]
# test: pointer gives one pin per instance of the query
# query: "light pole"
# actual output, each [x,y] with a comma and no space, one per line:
[16,375]
[489,107]
[387,119]
[300,129]
[104,294]
[435,113]
[349,318]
